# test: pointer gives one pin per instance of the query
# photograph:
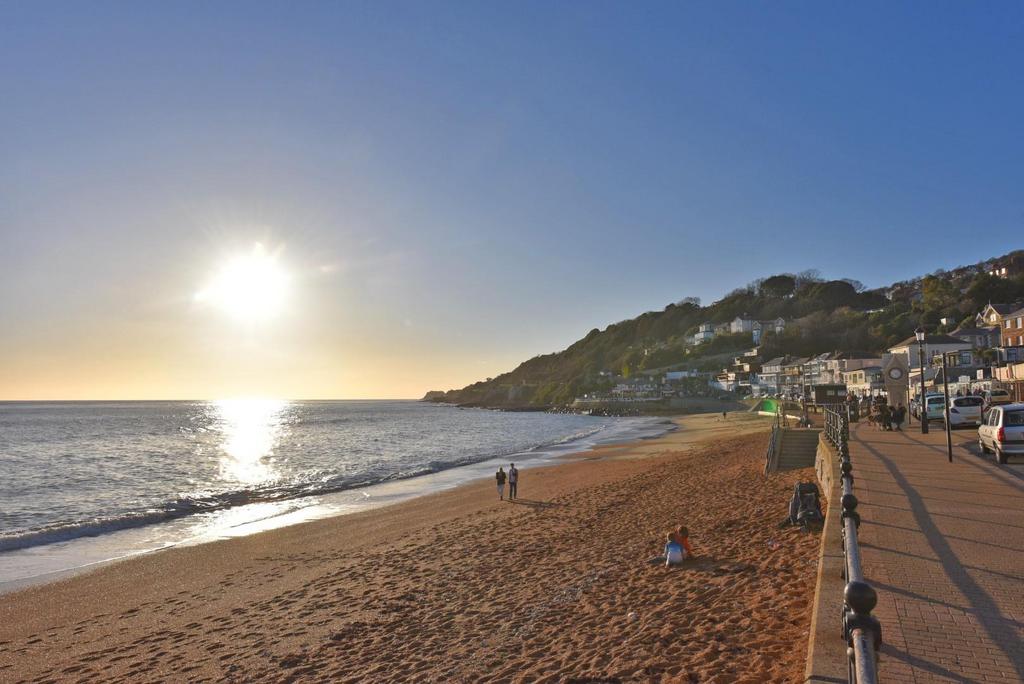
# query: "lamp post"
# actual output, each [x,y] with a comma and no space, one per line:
[945,394]
[921,404]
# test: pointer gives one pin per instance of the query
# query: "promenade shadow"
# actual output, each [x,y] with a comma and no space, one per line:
[998,627]
[925,599]
[990,467]
[925,665]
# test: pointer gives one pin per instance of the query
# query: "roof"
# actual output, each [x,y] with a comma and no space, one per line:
[929,339]
[857,355]
[777,361]
[1002,308]
[972,331]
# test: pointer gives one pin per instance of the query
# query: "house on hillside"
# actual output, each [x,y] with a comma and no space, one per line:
[980,338]
[818,370]
[636,389]
[828,368]
[741,324]
[992,315]
[1011,332]
[933,344]
[705,333]
[1007,267]
[791,380]
[909,291]
[768,378]
[741,375]
[759,328]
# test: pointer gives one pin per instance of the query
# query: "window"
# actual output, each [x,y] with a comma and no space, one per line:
[1007,323]
[1018,321]
[1014,419]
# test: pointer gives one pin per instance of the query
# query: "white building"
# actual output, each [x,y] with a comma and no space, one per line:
[933,346]
[705,333]
[741,325]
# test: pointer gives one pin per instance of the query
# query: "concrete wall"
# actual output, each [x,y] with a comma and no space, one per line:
[826,650]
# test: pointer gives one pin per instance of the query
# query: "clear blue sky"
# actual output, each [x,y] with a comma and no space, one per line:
[455,187]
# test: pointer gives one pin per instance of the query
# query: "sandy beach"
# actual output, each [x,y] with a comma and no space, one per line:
[459,586]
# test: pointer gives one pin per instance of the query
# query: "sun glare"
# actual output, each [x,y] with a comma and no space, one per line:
[251,287]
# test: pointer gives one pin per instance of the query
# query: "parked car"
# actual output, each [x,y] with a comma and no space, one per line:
[935,407]
[965,411]
[1003,431]
[995,397]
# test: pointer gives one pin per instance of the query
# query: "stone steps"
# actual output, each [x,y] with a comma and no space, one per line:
[799,448]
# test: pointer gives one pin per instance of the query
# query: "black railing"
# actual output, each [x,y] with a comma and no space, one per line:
[861,630]
[773,443]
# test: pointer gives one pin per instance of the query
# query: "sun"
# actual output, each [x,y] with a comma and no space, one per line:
[252,287]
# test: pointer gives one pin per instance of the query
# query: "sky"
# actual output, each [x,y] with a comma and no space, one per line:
[448,189]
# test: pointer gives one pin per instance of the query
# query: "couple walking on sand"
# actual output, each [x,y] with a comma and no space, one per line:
[513,480]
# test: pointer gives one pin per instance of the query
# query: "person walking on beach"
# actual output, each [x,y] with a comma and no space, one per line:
[513,480]
[500,477]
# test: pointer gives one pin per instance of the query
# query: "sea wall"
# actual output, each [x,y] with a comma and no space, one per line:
[826,650]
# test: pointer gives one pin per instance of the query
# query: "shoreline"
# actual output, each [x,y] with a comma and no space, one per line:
[293,603]
[39,564]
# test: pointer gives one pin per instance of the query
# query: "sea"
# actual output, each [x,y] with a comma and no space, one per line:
[84,483]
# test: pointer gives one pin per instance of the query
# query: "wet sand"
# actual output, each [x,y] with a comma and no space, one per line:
[458,586]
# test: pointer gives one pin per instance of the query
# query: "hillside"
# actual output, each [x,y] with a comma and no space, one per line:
[821,315]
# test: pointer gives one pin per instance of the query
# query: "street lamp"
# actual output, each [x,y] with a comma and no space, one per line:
[922,406]
[945,394]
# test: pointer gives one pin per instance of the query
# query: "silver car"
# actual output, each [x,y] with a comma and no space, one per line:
[1002,431]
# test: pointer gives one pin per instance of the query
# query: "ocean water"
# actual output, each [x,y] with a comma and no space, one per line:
[87,482]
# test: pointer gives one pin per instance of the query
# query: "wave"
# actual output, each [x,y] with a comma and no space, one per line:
[307,484]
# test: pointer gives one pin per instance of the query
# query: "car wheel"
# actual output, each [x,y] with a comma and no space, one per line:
[1000,456]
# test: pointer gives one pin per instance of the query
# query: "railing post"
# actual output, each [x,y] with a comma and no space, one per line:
[861,630]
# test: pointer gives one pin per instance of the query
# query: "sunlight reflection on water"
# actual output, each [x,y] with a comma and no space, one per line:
[251,428]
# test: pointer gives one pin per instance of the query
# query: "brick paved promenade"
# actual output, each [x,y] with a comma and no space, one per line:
[944,546]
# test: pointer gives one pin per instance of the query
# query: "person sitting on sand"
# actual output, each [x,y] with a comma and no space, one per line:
[500,477]
[681,536]
[674,551]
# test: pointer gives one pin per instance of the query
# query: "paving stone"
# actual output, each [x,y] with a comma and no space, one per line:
[943,544]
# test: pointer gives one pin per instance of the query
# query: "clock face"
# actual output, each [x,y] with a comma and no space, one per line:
[895,373]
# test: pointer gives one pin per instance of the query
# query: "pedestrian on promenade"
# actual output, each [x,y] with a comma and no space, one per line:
[898,416]
[500,477]
[513,480]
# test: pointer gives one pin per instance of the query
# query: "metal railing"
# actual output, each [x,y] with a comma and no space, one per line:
[861,630]
[774,442]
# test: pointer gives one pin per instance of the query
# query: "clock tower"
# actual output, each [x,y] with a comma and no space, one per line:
[896,374]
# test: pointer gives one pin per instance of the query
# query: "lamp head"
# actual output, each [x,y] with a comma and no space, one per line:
[919,334]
